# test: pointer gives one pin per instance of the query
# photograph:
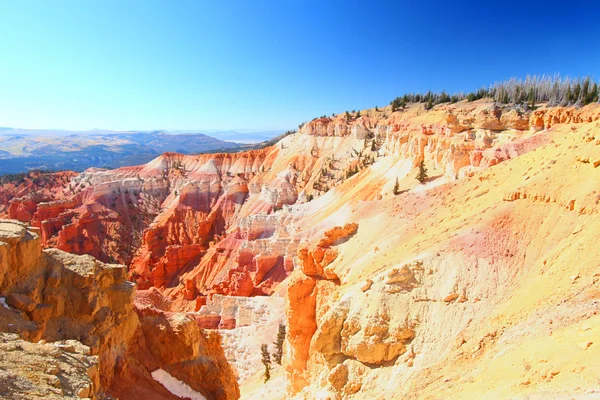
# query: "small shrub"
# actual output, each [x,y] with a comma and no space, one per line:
[397,188]
[266,360]
[279,344]
[422,175]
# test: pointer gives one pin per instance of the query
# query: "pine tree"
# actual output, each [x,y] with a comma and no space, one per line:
[397,188]
[532,98]
[376,108]
[358,114]
[593,94]
[266,360]
[569,95]
[347,116]
[422,175]
[577,92]
[585,90]
[279,344]
[429,104]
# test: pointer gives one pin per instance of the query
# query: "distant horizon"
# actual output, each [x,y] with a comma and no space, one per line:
[174,131]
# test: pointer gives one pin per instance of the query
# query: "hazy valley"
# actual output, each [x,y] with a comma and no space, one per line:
[23,150]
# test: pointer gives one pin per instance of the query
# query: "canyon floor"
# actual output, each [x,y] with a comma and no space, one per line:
[161,281]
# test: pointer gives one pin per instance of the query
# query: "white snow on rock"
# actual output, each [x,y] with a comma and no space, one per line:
[175,386]
[257,322]
[3,302]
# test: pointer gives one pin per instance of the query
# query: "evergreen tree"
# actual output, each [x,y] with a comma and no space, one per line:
[569,95]
[577,91]
[347,116]
[532,98]
[358,114]
[279,344]
[444,97]
[397,188]
[593,94]
[266,360]
[585,90]
[429,104]
[422,175]
[376,108]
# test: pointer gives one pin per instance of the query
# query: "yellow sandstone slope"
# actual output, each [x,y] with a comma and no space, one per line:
[481,287]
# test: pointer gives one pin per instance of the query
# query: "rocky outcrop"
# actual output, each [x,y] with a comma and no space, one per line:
[54,296]
[192,225]
[300,313]
[434,284]
[473,275]
[28,189]
[338,235]
[64,370]
[244,323]
[546,118]
[62,296]
[174,343]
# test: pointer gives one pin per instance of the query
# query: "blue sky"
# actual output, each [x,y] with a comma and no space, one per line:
[223,64]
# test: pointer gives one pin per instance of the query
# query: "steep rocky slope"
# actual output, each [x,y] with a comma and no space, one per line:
[35,187]
[484,287]
[219,223]
[455,288]
[53,296]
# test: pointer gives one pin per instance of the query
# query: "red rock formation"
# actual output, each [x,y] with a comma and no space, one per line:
[60,296]
[337,235]
[216,223]
[301,316]
[176,344]
[41,186]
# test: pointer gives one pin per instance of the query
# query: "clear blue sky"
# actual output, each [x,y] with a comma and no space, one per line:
[224,64]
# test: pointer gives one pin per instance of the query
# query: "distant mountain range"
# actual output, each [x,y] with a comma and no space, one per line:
[22,150]
[239,136]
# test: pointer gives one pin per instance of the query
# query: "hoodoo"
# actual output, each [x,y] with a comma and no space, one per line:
[386,285]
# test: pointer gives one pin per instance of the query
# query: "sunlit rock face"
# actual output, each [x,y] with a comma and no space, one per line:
[188,224]
[387,286]
[100,341]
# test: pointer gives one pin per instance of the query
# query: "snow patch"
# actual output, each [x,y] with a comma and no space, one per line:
[175,386]
[258,321]
[3,302]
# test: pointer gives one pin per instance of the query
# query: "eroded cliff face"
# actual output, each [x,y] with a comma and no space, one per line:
[425,293]
[219,223]
[86,308]
[38,186]
[484,287]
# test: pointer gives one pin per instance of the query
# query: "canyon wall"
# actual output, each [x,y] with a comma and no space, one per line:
[483,287]
[104,343]
[391,287]
[219,223]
